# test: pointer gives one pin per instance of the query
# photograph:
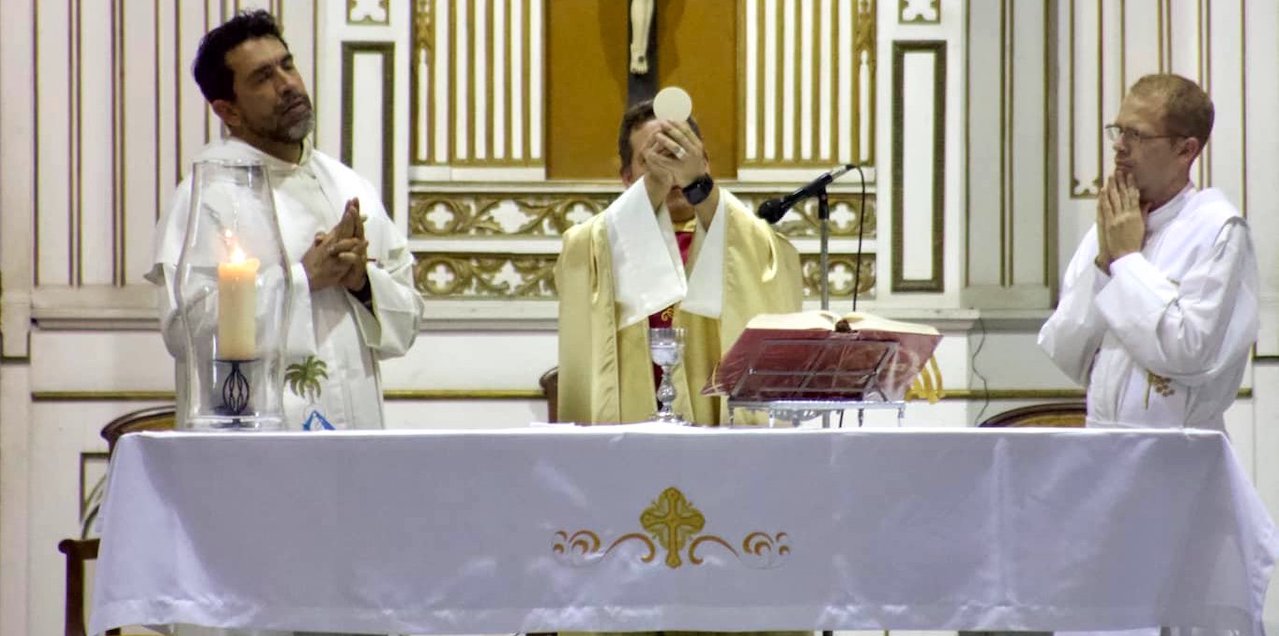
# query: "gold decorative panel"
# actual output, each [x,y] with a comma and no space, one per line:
[498,214]
[502,244]
[918,12]
[1009,216]
[928,170]
[1086,77]
[801,107]
[475,82]
[374,12]
[485,82]
[109,122]
[423,28]
[843,272]
[499,276]
[384,52]
[485,276]
[465,215]
[802,222]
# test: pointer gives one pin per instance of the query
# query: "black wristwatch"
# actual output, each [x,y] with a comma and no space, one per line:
[699,189]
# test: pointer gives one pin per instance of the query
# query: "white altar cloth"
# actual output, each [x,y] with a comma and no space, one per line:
[544,529]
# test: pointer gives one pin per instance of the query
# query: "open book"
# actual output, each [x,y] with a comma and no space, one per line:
[817,355]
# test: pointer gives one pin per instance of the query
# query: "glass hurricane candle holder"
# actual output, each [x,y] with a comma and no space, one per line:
[232,292]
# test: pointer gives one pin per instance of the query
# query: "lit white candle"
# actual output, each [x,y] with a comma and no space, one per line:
[237,307]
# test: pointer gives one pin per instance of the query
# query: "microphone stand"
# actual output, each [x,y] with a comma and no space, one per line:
[772,211]
[861,227]
[823,267]
[823,220]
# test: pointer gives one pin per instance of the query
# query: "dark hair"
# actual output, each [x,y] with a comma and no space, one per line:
[1187,109]
[211,72]
[637,116]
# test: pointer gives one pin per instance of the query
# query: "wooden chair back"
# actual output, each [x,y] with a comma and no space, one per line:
[550,382]
[80,551]
[1054,414]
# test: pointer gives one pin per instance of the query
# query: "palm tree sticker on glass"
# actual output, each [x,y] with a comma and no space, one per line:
[666,345]
[303,379]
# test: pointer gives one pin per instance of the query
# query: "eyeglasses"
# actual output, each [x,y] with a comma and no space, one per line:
[1115,132]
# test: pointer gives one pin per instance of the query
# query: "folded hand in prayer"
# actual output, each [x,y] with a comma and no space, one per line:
[1121,225]
[339,256]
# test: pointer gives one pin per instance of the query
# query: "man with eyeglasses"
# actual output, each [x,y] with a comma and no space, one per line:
[1158,307]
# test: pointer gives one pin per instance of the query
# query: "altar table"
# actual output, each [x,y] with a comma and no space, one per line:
[657,527]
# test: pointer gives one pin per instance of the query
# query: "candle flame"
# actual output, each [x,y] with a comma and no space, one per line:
[237,254]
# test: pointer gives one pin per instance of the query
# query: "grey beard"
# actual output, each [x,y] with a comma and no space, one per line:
[297,132]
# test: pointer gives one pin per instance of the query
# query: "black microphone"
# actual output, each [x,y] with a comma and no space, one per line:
[773,210]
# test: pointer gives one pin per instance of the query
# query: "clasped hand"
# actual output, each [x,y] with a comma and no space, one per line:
[1121,225]
[339,256]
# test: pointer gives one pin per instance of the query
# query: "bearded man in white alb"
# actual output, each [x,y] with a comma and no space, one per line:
[354,302]
[1158,307]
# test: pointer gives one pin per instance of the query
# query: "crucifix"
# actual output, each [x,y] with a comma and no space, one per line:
[642,76]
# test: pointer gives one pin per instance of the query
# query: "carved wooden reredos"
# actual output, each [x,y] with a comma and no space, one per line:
[514,107]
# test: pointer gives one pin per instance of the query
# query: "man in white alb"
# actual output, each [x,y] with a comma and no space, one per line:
[1158,307]
[354,302]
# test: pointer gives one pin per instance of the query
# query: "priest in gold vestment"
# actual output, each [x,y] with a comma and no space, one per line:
[674,249]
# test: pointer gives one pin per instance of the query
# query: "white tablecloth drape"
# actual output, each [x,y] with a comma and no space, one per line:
[621,529]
